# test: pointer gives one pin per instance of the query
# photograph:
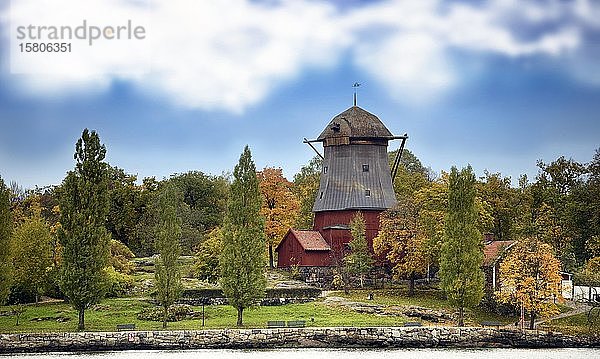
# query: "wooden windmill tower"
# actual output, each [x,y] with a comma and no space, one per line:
[355,177]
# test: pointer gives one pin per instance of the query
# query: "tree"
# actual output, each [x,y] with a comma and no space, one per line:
[306,186]
[32,256]
[242,261]
[359,261]
[279,206]
[83,235]
[168,234]
[206,266]
[201,206]
[5,239]
[496,191]
[461,276]
[531,277]
[402,239]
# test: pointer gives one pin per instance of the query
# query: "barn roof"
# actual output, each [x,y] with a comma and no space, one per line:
[355,122]
[494,250]
[310,240]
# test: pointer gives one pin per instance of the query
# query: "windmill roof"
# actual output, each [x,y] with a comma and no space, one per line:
[355,122]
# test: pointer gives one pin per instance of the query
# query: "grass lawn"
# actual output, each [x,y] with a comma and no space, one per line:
[427,298]
[121,311]
[575,325]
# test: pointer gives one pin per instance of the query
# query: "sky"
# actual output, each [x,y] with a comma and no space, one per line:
[495,84]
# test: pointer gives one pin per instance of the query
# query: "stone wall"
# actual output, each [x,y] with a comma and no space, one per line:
[322,277]
[381,337]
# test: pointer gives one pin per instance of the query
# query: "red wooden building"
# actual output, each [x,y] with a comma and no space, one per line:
[355,177]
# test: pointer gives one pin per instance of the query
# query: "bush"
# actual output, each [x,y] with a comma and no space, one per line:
[120,257]
[175,313]
[117,284]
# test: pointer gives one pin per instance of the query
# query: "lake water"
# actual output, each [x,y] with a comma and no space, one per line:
[329,354]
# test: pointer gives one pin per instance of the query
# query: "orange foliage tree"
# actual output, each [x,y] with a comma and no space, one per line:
[402,239]
[279,207]
[530,276]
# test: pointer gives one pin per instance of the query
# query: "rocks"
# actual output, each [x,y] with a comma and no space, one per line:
[384,337]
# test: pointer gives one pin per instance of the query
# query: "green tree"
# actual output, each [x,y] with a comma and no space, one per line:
[206,266]
[496,191]
[359,261]
[242,261]
[83,235]
[306,186]
[167,273]
[5,240]
[461,276]
[32,256]
[201,205]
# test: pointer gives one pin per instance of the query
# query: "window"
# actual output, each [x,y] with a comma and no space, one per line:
[321,196]
[325,169]
[367,193]
[365,167]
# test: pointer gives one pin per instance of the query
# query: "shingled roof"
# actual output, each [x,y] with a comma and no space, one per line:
[494,250]
[355,122]
[311,240]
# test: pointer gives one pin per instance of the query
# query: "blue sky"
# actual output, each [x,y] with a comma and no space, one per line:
[496,84]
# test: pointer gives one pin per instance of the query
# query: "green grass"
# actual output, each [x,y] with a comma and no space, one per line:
[121,311]
[576,324]
[427,298]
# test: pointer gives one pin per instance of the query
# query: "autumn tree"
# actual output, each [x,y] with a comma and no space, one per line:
[279,206]
[32,256]
[359,261]
[306,186]
[5,239]
[206,265]
[83,235]
[167,273]
[461,276]
[242,260]
[402,239]
[531,277]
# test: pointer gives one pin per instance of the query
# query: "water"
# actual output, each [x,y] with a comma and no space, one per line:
[578,353]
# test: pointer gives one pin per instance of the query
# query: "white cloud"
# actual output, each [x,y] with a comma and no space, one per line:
[231,54]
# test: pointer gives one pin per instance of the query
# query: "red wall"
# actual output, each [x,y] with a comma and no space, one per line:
[339,238]
[290,252]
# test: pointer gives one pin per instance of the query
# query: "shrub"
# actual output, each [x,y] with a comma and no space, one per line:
[117,284]
[175,313]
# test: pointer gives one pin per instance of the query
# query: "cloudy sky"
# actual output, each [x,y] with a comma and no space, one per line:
[496,84]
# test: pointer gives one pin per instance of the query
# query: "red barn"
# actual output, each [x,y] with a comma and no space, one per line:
[355,177]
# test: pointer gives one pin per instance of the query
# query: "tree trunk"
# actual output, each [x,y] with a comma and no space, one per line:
[362,281]
[461,317]
[81,325]
[411,285]
[240,310]
[271,256]
[165,312]
[532,321]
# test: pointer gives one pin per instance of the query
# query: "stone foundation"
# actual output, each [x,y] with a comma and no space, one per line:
[379,337]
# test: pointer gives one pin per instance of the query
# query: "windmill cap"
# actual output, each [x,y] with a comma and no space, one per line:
[355,123]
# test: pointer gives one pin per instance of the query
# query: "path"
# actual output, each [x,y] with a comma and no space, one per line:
[578,308]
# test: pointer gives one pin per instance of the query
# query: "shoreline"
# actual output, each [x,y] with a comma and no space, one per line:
[311,337]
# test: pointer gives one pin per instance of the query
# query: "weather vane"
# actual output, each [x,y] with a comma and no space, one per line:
[355,86]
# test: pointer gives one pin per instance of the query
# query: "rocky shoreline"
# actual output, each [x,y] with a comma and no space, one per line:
[339,337]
